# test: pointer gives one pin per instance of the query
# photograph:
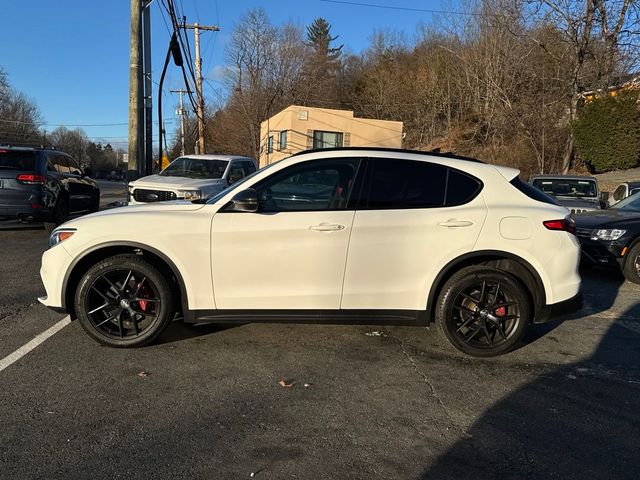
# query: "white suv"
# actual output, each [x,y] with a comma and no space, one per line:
[193,177]
[342,235]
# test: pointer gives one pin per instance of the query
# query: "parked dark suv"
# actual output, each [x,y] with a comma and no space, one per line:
[38,184]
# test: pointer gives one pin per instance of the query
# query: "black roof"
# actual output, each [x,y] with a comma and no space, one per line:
[434,153]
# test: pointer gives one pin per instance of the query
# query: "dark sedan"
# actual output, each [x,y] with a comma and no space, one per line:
[612,236]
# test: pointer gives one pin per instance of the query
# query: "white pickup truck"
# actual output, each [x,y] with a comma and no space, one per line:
[192,177]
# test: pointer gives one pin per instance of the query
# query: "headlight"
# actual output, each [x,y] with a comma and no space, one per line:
[190,194]
[60,236]
[609,234]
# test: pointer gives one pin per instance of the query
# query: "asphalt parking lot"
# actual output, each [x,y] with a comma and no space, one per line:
[365,402]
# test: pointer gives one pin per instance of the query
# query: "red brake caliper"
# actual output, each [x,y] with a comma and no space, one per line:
[501,311]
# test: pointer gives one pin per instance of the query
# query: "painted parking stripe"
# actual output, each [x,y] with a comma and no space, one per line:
[26,348]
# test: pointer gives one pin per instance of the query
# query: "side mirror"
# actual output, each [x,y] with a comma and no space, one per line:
[244,201]
[604,196]
[88,172]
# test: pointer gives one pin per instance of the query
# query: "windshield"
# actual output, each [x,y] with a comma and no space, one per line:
[218,196]
[567,187]
[629,204]
[195,168]
[17,160]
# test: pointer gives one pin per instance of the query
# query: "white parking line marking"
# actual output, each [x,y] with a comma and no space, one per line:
[26,348]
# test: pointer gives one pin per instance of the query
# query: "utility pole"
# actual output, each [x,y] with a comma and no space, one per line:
[196,32]
[181,113]
[148,92]
[135,91]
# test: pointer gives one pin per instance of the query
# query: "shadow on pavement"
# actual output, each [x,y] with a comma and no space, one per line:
[179,331]
[598,296]
[579,421]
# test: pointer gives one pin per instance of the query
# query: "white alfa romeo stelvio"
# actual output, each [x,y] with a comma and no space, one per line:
[346,235]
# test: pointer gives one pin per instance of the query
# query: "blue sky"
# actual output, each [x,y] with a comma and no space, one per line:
[72,56]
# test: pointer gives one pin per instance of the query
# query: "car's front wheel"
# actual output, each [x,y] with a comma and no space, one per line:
[631,268]
[483,311]
[124,301]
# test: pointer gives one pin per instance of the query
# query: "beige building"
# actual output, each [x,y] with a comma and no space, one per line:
[296,128]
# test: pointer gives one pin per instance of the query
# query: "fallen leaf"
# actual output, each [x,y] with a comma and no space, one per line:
[283,383]
[144,374]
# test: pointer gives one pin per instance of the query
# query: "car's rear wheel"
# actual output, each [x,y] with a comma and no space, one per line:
[483,312]
[123,301]
[631,268]
[59,216]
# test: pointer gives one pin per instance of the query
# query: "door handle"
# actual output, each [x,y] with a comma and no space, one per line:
[456,223]
[327,227]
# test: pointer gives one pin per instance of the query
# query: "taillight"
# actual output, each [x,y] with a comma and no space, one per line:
[30,179]
[565,225]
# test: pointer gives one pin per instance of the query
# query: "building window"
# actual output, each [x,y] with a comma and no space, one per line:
[283,140]
[270,144]
[327,139]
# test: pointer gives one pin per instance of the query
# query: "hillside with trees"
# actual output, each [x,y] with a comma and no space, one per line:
[501,82]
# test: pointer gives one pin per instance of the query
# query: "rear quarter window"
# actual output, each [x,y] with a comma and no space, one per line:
[17,160]
[461,188]
[532,192]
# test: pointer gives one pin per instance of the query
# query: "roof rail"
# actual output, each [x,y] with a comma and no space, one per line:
[37,146]
[435,153]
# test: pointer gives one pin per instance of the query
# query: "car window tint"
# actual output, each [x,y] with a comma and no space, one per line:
[532,192]
[236,172]
[249,167]
[60,162]
[406,184]
[461,188]
[315,185]
[74,167]
[17,160]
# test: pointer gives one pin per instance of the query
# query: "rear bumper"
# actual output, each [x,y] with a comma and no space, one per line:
[24,213]
[561,309]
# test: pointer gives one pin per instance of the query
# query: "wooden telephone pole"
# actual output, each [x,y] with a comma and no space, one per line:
[136,120]
[196,32]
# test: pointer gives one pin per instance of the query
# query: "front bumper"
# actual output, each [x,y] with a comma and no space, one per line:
[561,309]
[605,253]
[55,263]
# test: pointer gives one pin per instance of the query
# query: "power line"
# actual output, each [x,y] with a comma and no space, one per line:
[70,124]
[408,9]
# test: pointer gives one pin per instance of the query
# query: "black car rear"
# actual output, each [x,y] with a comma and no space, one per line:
[43,185]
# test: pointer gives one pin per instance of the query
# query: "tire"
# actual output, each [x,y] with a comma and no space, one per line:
[474,321]
[631,268]
[59,216]
[121,313]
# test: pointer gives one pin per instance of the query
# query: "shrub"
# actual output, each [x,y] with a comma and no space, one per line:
[607,132]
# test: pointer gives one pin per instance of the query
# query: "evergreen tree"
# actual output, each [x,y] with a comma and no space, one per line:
[319,36]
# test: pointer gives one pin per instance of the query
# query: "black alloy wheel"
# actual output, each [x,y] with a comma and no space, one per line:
[483,311]
[123,301]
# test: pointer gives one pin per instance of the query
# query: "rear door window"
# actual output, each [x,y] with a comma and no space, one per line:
[17,160]
[461,188]
[74,167]
[396,184]
[236,172]
[249,167]
[60,164]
